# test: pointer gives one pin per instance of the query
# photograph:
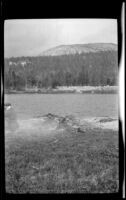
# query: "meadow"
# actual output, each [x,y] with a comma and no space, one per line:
[67,162]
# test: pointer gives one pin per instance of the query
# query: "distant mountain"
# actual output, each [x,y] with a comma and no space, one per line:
[79,48]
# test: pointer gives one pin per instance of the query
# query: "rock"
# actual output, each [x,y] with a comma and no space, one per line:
[69,122]
[80,130]
[50,116]
[62,120]
[106,120]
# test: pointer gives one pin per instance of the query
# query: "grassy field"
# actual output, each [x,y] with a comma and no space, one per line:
[69,162]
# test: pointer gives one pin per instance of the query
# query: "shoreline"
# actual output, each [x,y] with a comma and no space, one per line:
[68,90]
[51,122]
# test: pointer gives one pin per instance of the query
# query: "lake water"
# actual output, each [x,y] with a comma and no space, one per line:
[81,105]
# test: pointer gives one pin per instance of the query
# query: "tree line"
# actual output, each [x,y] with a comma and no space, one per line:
[100,68]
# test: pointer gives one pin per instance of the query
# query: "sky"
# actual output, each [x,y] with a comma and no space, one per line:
[32,37]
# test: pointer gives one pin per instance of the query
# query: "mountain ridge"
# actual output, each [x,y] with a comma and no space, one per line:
[79,48]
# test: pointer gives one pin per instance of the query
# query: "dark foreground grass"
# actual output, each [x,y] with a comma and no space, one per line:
[66,163]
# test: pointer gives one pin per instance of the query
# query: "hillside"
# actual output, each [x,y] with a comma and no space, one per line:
[79,48]
[66,65]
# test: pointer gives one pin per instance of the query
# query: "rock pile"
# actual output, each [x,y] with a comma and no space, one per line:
[67,122]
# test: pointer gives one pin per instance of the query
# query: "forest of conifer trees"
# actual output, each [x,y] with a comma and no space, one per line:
[94,69]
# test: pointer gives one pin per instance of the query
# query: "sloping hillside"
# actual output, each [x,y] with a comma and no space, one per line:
[79,48]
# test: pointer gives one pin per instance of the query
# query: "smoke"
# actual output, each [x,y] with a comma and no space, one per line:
[11,122]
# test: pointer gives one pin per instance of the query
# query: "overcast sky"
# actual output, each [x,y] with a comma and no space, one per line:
[32,37]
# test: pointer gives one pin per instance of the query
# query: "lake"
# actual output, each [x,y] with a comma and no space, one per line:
[81,105]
